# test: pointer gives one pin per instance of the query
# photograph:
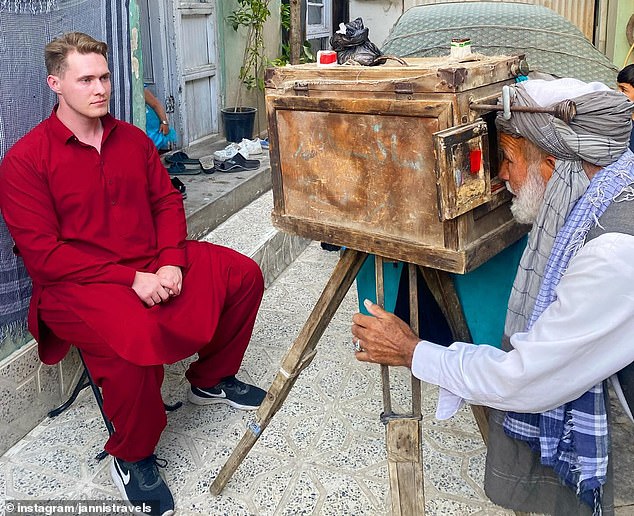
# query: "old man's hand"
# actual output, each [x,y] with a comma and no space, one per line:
[382,337]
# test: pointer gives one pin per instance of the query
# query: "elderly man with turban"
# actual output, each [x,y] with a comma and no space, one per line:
[570,317]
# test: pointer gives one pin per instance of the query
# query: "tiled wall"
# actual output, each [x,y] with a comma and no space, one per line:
[13,339]
[278,252]
[29,389]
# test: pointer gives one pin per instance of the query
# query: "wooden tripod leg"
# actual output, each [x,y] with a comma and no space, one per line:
[403,437]
[296,359]
[404,442]
[441,286]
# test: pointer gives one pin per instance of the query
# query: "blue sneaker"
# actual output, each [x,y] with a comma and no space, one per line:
[141,485]
[230,391]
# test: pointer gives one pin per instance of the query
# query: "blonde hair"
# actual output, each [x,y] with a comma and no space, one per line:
[56,52]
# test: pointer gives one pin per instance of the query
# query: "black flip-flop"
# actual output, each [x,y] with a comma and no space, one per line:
[179,169]
[236,164]
[181,157]
[249,164]
[225,166]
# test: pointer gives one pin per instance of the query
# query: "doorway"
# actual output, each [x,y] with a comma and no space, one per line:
[178,42]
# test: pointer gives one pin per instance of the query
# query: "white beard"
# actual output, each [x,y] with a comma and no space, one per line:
[529,198]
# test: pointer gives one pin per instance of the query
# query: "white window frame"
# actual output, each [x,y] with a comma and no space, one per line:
[323,30]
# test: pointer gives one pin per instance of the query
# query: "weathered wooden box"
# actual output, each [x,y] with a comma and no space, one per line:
[391,160]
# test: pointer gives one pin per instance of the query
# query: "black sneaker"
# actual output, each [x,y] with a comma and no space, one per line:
[142,486]
[180,186]
[230,391]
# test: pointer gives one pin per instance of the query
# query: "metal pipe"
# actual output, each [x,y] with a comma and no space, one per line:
[564,110]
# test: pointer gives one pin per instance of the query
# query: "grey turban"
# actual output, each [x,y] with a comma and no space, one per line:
[598,134]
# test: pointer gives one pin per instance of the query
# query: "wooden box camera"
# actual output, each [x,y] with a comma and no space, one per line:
[391,160]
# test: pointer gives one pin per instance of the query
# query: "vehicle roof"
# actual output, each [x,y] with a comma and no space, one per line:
[551,43]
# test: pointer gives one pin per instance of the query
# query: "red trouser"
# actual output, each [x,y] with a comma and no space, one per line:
[132,393]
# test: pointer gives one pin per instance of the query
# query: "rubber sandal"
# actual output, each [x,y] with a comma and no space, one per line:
[181,157]
[249,164]
[179,169]
[237,163]
[228,166]
[207,164]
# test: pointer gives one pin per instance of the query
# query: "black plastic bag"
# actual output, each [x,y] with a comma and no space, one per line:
[354,45]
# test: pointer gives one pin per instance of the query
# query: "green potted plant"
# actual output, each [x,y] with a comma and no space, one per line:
[251,15]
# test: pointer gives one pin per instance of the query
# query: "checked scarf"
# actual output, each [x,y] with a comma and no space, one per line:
[573,439]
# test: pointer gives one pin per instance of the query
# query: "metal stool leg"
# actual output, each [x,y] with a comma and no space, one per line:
[86,380]
[82,383]
[98,397]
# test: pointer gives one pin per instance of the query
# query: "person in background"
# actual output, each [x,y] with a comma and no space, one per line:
[570,317]
[157,125]
[102,233]
[625,82]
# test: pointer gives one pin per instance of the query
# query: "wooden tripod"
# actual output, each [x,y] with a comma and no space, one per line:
[403,432]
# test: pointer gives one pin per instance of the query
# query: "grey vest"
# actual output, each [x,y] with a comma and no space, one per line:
[514,476]
[619,218]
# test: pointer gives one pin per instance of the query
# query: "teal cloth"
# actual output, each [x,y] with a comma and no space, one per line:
[484,294]
[152,125]
[366,283]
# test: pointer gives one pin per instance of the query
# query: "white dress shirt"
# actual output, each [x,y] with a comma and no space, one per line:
[585,336]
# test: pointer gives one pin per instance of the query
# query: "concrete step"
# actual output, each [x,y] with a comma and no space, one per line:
[251,232]
[213,198]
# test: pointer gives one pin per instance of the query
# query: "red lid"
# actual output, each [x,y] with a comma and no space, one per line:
[327,57]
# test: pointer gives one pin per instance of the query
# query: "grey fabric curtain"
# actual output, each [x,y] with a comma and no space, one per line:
[26,26]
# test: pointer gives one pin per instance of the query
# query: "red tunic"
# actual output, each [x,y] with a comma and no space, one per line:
[85,222]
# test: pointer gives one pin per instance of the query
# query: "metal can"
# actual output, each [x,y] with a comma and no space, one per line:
[460,48]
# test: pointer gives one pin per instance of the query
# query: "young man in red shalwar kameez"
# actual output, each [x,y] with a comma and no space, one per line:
[102,233]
